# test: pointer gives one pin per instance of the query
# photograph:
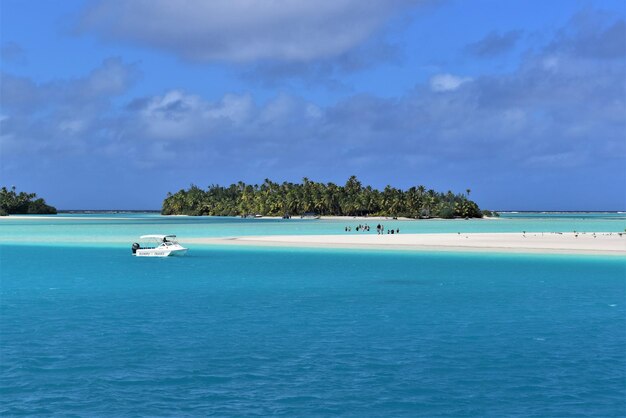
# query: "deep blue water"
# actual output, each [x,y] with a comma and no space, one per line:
[92,331]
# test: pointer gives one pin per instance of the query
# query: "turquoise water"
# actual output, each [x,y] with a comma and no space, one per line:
[86,329]
[123,229]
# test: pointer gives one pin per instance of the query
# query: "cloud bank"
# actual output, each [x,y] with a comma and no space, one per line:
[559,116]
[242,31]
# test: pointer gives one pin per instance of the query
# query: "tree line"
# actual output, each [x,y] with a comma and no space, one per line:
[13,203]
[293,199]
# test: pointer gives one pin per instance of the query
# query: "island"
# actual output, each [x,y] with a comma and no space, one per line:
[324,199]
[22,203]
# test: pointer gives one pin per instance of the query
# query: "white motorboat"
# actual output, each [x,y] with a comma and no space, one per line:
[164,246]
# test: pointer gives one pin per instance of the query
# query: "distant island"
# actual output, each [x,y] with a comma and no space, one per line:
[22,203]
[326,199]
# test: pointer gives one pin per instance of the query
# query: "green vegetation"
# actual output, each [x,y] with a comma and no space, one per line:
[353,199]
[12,203]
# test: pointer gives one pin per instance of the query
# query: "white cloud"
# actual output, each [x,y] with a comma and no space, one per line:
[447,82]
[163,117]
[179,115]
[530,116]
[236,108]
[242,30]
[277,109]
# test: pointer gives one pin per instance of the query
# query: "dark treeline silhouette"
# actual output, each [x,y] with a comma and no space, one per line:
[13,203]
[352,199]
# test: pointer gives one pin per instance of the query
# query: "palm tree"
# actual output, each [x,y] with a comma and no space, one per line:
[274,199]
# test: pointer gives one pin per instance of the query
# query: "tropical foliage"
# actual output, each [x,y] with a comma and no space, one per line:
[490,213]
[351,199]
[12,203]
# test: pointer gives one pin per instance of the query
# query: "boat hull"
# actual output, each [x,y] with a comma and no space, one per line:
[157,252]
[166,246]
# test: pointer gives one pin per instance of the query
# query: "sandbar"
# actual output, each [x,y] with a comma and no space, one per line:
[599,243]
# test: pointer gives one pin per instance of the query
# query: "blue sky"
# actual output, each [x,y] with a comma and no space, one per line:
[111,104]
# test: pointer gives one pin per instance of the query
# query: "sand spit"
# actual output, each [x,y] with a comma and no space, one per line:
[603,243]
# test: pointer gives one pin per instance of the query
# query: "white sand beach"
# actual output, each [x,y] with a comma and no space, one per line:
[604,243]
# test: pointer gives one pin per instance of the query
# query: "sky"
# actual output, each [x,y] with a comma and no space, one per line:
[112,104]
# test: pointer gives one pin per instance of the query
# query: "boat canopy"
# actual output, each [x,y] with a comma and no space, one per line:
[159,237]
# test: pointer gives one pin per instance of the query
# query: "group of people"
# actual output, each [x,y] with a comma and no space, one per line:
[359,228]
[380,229]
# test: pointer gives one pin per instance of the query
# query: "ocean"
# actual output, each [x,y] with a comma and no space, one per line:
[86,329]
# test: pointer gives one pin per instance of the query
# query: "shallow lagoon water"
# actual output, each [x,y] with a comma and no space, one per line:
[123,229]
[89,330]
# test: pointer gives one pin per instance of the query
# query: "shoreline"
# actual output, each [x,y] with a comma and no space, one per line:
[65,215]
[604,243]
